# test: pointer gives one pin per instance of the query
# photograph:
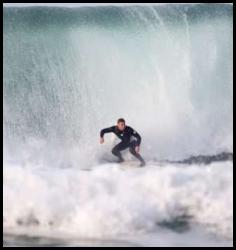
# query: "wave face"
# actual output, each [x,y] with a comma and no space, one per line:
[68,72]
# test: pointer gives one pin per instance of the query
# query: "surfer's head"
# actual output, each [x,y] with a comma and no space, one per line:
[121,124]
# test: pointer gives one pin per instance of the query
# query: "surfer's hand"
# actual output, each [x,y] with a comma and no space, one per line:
[101,140]
[137,148]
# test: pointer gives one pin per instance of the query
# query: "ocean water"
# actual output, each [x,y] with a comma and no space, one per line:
[67,73]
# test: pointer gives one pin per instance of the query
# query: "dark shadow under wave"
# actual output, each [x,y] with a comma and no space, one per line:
[206,159]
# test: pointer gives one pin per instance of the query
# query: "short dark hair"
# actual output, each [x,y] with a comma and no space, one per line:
[121,120]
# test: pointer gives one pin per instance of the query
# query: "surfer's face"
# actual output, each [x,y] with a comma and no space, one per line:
[121,125]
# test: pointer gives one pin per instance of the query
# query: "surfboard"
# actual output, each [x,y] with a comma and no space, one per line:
[129,164]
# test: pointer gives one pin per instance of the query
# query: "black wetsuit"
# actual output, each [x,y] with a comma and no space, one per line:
[126,141]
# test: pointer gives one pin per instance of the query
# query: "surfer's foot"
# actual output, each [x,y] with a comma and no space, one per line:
[120,160]
[142,164]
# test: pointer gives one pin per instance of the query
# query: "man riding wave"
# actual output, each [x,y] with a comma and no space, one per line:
[126,134]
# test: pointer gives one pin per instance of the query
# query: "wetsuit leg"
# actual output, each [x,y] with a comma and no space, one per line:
[119,147]
[132,146]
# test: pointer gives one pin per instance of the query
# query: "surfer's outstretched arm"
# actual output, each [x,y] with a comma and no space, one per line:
[106,130]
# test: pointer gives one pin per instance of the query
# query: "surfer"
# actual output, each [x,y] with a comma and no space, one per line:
[125,133]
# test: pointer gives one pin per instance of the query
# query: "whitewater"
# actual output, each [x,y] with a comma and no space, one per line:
[68,73]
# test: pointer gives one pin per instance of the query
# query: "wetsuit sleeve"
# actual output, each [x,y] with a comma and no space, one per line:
[137,136]
[107,130]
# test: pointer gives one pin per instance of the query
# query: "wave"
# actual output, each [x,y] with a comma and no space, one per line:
[107,202]
[70,72]
[67,73]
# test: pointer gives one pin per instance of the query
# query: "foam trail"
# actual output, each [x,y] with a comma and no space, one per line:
[85,203]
